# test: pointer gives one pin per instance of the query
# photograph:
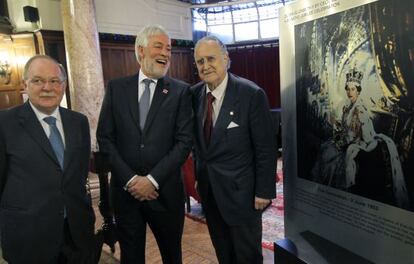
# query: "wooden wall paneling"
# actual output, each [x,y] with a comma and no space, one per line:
[259,63]
[54,45]
[10,98]
[9,76]
[132,65]
[117,63]
[18,48]
[10,94]
[175,64]
[105,66]
[118,58]
[182,65]
[24,49]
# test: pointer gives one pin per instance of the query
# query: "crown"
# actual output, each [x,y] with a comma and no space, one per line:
[354,76]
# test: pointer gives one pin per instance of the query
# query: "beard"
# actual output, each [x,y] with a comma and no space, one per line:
[156,71]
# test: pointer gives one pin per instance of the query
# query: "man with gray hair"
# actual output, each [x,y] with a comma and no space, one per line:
[235,154]
[45,212]
[145,129]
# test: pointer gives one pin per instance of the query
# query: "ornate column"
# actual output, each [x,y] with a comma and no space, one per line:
[83,60]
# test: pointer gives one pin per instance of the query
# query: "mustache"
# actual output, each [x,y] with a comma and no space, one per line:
[51,94]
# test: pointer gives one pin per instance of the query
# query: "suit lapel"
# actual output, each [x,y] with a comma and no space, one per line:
[226,113]
[132,97]
[70,130]
[31,124]
[200,115]
[160,94]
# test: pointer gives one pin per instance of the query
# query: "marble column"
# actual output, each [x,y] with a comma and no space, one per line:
[83,60]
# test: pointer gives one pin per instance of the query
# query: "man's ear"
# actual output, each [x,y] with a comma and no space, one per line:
[24,85]
[227,59]
[140,50]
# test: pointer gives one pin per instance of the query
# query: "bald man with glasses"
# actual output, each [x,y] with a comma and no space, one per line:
[45,212]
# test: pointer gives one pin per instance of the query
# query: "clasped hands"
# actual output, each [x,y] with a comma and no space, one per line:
[142,189]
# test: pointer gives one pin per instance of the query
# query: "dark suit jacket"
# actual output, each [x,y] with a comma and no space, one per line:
[240,162]
[34,190]
[160,149]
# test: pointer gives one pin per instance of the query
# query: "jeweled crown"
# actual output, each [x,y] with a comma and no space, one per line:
[354,76]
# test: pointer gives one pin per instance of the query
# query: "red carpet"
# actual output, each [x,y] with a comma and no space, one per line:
[273,219]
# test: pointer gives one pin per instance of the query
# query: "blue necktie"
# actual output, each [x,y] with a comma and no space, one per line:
[55,139]
[144,103]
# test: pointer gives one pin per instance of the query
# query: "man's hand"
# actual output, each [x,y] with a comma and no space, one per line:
[142,189]
[260,203]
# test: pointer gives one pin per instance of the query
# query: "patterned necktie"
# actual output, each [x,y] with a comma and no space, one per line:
[55,139]
[144,103]
[208,123]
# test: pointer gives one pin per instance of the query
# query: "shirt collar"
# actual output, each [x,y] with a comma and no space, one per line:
[142,77]
[40,116]
[218,93]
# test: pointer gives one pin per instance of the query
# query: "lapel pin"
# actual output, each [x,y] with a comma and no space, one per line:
[231,113]
[164,91]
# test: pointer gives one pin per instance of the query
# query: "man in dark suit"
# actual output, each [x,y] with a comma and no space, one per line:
[45,212]
[235,154]
[145,128]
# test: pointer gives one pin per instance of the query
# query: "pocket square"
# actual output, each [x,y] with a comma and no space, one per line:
[232,124]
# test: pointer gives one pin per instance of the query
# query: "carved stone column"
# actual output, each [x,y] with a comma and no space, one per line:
[83,60]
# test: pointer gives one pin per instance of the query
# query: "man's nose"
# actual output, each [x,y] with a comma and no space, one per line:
[47,85]
[166,52]
[206,64]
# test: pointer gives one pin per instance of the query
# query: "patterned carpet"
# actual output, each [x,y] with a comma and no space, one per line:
[272,219]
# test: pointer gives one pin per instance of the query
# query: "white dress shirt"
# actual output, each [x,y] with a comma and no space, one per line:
[218,94]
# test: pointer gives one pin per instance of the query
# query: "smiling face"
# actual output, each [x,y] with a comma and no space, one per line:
[211,63]
[352,91]
[155,57]
[44,85]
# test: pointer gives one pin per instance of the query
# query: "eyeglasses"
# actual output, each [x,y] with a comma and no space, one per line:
[54,82]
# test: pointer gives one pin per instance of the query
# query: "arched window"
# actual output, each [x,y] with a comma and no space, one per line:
[239,21]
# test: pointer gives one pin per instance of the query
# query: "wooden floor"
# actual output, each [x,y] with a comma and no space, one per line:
[196,244]
[196,247]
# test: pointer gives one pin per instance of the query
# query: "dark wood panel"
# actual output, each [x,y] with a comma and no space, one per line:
[19,48]
[132,65]
[105,67]
[259,63]
[182,65]
[9,99]
[116,63]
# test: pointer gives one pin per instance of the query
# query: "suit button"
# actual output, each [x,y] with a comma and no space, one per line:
[141,146]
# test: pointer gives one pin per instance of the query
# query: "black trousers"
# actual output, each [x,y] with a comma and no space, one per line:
[241,244]
[69,253]
[166,226]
